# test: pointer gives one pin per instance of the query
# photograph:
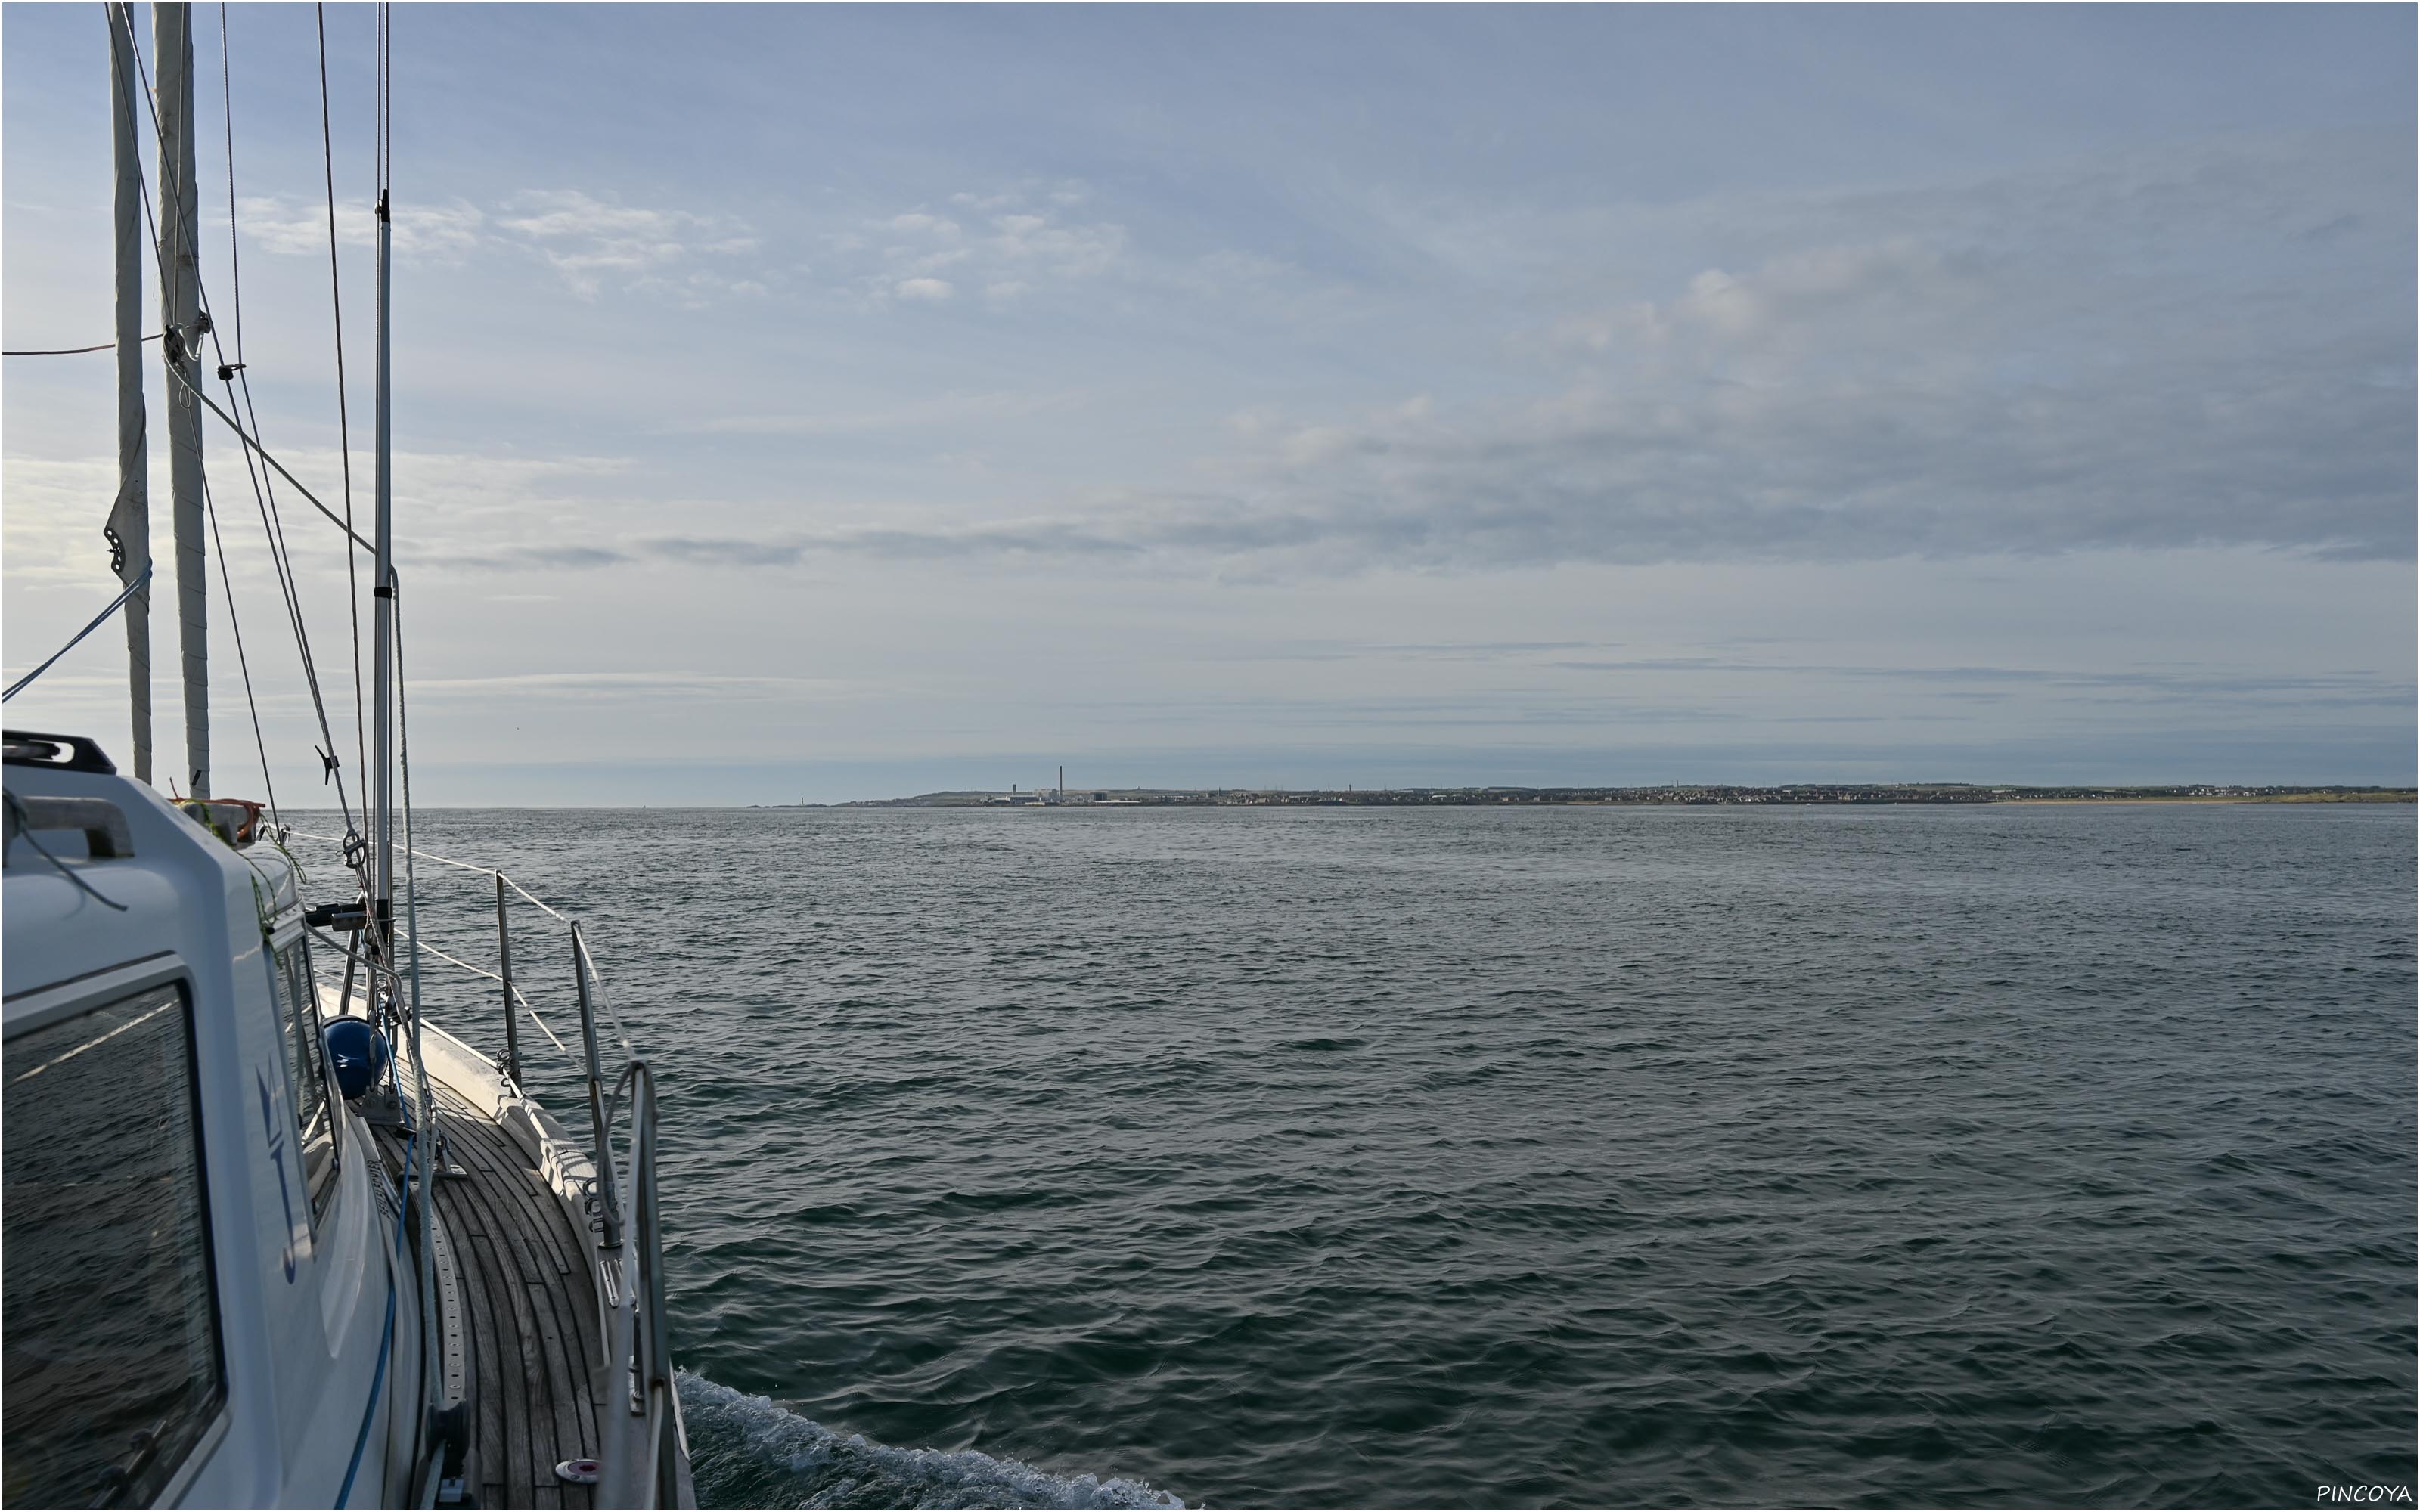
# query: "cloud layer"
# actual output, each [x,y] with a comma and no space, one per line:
[2047,361]
[592,242]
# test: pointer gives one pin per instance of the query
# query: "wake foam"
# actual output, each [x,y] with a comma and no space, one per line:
[750,1453]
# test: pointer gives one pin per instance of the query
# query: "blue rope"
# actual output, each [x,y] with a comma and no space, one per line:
[386,1340]
[378,1379]
[103,618]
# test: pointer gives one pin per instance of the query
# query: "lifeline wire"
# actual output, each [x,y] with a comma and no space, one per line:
[536,902]
[520,997]
[596,977]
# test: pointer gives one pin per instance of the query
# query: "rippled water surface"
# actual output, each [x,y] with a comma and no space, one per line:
[2026,1154]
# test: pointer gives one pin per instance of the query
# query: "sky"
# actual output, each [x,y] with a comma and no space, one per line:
[832,403]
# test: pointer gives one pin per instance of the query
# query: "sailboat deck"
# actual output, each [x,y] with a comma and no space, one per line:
[530,1291]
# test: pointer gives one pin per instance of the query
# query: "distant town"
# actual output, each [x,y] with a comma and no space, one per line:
[1708,794]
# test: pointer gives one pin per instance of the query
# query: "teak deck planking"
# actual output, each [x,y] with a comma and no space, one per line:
[531,1298]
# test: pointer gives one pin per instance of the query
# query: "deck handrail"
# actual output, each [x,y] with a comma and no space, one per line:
[651,1337]
[630,1211]
[599,1112]
[628,1206]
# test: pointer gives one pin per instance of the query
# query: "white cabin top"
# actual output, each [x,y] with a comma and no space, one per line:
[198,1259]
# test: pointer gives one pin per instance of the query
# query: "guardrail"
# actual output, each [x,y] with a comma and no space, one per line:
[629,1212]
[630,1228]
[654,1399]
[582,970]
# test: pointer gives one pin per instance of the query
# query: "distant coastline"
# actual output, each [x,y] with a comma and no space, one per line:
[1692,796]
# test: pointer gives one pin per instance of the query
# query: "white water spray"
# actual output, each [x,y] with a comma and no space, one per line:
[752,1452]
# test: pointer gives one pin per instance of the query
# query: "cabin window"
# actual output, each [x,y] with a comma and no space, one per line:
[306,1063]
[112,1353]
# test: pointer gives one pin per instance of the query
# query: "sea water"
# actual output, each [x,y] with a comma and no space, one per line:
[2031,1154]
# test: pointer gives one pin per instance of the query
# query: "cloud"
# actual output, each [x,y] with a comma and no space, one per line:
[566,214]
[619,686]
[1065,192]
[2021,363]
[591,241]
[290,225]
[1806,291]
[1032,538]
[1008,243]
[2034,364]
[2025,363]
[930,415]
[504,557]
[2302,451]
[1810,453]
[1069,251]
[2131,685]
[462,510]
[723,551]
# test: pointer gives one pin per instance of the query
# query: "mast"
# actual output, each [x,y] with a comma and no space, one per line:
[129,531]
[383,579]
[180,303]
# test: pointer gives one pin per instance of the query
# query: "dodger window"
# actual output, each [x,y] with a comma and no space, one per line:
[112,1351]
